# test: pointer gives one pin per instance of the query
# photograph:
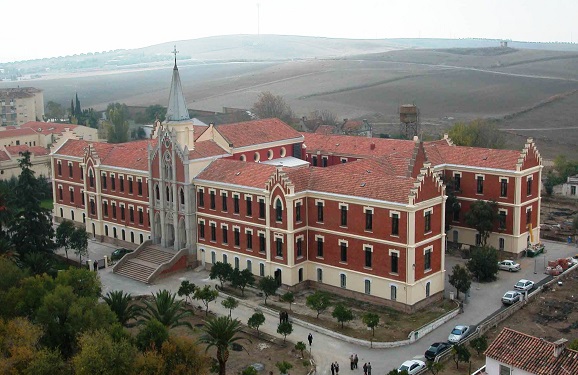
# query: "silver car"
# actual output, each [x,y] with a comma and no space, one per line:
[508,265]
[524,285]
[458,333]
[511,297]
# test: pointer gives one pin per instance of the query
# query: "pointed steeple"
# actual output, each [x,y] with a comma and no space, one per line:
[177,109]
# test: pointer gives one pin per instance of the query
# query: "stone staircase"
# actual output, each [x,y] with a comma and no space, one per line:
[143,262]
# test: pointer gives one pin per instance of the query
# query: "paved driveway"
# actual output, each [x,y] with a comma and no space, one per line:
[484,300]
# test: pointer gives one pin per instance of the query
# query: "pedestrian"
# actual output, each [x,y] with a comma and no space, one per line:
[332,368]
[365,369]
[355,360]
[336,368]
[310,338]
[351,362]
[286,317]
[280,317]
[368,368]
[95,265]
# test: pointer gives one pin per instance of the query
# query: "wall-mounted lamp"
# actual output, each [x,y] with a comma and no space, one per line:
[413,266]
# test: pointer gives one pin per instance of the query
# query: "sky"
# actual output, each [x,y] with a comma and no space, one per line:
[54,28]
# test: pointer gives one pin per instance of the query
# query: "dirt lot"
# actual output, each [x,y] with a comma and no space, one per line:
[556,217]
[553,315]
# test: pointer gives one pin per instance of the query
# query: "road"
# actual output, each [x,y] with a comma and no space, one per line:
[484,300]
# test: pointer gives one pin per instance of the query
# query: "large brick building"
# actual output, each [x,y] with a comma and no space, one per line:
[359,215]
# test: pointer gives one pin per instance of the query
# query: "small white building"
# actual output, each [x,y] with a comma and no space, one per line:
[569,188]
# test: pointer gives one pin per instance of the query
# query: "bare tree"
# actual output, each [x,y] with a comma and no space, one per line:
[269,106]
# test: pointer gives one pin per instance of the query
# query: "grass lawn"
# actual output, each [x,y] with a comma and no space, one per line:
[47,203]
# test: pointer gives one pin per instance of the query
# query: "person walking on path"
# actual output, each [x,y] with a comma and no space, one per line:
[351,362]
[95,265]
[355,360]
[332,368]
[368,368]
[310,339]
[336,368]
[365,369]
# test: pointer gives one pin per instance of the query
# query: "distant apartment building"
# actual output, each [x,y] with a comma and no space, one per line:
[21,105]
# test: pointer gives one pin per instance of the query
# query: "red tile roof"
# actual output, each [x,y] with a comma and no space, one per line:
[256,132]
[206,149]
[47,127]
[325,129]
[443,153]
[73,147]
[16,132]
[4,156]
[237,173]
[531,354]
[348,145]
[199,129]
[34,150]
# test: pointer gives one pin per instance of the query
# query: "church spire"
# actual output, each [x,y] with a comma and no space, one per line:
[177,109]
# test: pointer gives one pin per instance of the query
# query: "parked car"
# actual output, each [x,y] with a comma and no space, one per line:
[509,265]
[412,366]
[119,253]
[435,349]
[511,297]
[458,333]
[524,285]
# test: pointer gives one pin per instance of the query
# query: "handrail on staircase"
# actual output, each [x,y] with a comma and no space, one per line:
[167,265]
[134,254]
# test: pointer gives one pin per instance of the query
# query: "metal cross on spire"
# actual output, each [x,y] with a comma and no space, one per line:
[175,53]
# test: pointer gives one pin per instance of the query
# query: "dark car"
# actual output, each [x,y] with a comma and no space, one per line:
[119,253]
[435,349]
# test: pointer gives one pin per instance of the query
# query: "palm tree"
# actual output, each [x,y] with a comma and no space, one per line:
[166,309]
[121,304]
[221,333]
[37,263]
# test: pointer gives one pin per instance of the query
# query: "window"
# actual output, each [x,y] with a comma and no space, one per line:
[261,242]
[131,214]
[59,169]
[90,178]
[314,160]
[140,216]
[427,221]
[457,181]
[82,196]
[60,193]
[343,216]
[249,240]
[249,206]
[343,280]
[299,247]
[249,265]
[502,244]
[367,286]
[224,200]
[505,370]
[201,198]
[114,234]
[503,187]
[70,174]
[343,252]
[103,180]
[572,190]
[225,239]
[122,215]
[139,187]
[528,216]
[320,212]
[368,256]
[182,196]
[237,236]
[395,224]
[279,247]
[213,232]
[319,275]
[261,209]
[279,211]
[105,208]
[113,182]
[427,260]
[261,270]
[236,204]
[71,196]
[212,195]
[213,257]
[394,262]
[300,273]
[427,289]
[202,230]
[393,292]
[167,193]
[320,247]
[130,191]
[502,219]
[157,192]
[298,210]
[343,160]
[324,161]
[113,210]
[456,213]
[368,219]
[480,185]
[121,183]
[225,259]
[92,209]
[529,186]
[81,173]
[237,262]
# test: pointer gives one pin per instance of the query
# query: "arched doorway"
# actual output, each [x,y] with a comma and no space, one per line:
[93,231]
[182,234]
[278,276]
[158,231]
[170,235]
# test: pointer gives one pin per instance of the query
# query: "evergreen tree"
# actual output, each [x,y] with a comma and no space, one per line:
[77,109]
[31,228]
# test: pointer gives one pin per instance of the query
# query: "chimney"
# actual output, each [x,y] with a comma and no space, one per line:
[372,146]
[559,347]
